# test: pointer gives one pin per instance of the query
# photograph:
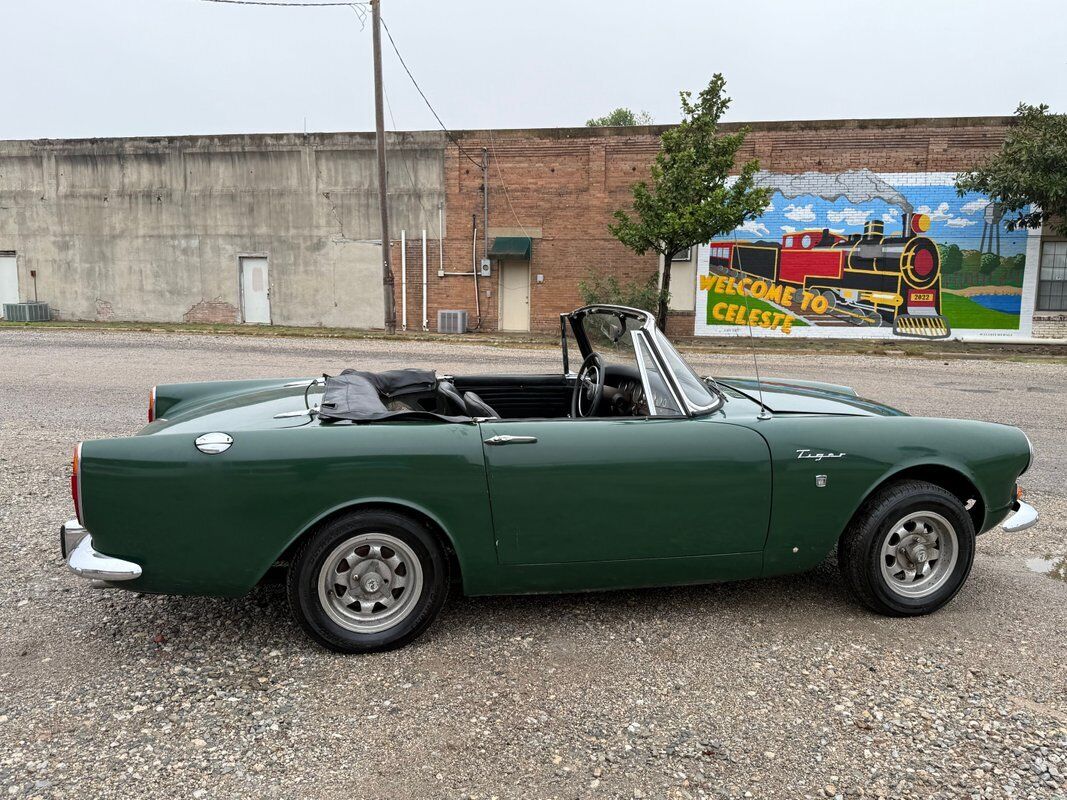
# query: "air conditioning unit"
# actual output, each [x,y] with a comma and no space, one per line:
[27,312]
[451,321]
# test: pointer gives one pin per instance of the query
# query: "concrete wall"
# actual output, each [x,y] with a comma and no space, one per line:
[152,229]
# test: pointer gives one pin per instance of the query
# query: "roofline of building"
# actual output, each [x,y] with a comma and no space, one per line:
[764,126]
[428,136]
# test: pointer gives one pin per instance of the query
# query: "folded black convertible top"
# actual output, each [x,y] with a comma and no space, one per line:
[362,396]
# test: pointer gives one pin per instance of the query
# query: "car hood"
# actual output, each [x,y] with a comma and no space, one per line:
[242,408]
[806,397]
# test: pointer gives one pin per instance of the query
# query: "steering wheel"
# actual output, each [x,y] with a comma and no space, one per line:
[589,387]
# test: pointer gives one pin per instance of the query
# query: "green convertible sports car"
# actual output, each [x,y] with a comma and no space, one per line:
[375,492]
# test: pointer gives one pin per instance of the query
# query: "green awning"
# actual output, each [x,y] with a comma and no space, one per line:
[511,247]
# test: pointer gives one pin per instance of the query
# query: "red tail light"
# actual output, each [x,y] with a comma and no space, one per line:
[75,482]
[152,405]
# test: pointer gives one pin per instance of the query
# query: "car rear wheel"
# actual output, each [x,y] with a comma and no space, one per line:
[908,550]
[366,581]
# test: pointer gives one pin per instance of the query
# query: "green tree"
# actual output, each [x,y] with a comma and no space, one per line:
[620,117]
[990,262]
[689,199]
[1028,177]
[951,258]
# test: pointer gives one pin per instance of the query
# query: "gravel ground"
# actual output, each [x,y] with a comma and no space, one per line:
[774,688]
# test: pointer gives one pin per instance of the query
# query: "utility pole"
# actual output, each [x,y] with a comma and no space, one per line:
[383,197]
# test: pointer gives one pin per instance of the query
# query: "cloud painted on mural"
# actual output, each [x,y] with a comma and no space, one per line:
[799,213]
[936,214]
[755,228]
[953,220]
[850,216]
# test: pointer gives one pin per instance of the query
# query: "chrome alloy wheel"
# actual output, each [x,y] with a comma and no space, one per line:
[919,554]
[370,582]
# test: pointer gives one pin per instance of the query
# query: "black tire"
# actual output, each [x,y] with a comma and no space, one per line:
[302,582]
[860,553]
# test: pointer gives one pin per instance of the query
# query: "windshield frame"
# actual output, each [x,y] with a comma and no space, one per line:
[648,333]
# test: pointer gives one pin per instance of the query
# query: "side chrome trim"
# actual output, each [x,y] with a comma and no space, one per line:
[86,562]
[305,412]
[1025,516]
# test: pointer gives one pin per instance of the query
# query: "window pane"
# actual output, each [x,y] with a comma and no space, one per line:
[694,389]
[660,396]
[609,335]
[1052,296]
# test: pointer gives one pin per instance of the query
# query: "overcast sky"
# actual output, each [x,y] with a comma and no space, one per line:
[75,68]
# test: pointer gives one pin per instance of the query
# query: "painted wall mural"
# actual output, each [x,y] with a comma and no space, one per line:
[858,253]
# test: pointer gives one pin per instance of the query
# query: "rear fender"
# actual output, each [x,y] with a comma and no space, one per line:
[214,524]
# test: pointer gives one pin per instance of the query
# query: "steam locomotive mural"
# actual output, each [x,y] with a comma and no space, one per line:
[867,278]
[879,266]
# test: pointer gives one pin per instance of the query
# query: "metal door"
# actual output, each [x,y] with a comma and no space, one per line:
[255,290]
[573,490]
[514,296]
[9,280]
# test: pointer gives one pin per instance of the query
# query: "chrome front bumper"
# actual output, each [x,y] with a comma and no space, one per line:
[1024,517]
[77,547]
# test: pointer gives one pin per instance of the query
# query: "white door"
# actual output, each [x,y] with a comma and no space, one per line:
[514,296]
[9,280]
[255,290]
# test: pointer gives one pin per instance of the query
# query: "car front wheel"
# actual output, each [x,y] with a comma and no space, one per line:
[908,550]
[366,581]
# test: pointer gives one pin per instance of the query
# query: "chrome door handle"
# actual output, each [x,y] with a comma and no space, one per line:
[505,439]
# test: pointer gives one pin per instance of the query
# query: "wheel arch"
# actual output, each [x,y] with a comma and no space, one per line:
[947,477]
[413,510]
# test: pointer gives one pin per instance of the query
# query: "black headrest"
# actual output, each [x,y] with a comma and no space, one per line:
[477,407]
[451,399]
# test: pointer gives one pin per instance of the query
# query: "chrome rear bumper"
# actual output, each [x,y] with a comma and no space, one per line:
[1024,517]
[77,547]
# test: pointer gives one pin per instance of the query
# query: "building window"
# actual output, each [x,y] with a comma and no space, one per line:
[1052,283]
[684,255]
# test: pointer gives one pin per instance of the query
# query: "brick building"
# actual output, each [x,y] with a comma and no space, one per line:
[559,187]
[281,228]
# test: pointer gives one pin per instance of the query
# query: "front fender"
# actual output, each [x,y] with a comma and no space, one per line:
[859,454]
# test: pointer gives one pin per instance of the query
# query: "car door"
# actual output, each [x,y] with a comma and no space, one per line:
[601,489]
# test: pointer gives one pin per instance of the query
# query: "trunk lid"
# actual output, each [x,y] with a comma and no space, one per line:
[233,405]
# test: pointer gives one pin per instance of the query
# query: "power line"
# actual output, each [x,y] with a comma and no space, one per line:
[500,174]
[426,100]
[283,5]
[392,42]
[407,168]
